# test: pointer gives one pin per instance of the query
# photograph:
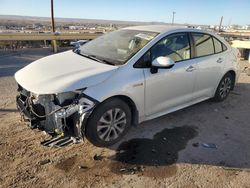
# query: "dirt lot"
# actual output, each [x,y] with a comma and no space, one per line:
[166,152]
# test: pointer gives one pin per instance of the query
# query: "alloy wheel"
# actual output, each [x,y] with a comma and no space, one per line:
[111,124]
[225,87]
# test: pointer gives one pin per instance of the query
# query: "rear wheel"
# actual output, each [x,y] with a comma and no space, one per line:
[108,123]
[224,88]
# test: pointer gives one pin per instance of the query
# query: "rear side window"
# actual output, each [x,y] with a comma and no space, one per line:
[224,48]
[203,44]
[217,45]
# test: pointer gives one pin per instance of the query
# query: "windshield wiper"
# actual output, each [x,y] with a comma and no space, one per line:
[93,57]
[106,62]
[100,60]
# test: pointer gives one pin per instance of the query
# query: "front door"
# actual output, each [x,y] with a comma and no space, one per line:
[170,88]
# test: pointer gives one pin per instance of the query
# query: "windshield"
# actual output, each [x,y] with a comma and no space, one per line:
[117,47]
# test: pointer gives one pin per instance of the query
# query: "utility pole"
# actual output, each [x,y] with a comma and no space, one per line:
[173,18]
[221,20]
[53,26]
[229,22]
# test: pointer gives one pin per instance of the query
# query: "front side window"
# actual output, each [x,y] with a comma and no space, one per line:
[203,44]
[117,47]
[175,46]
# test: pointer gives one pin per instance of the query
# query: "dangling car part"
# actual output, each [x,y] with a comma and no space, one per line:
[59,114]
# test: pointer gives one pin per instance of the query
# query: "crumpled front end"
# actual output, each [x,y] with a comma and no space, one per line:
[64,113]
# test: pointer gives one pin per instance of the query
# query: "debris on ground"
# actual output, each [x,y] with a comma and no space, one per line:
[83,167]
[195,144]
[44,162]
[153,151]
[209,145]
[132,170]
[98,157]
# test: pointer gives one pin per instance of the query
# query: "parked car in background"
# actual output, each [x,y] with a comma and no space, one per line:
[124,78]
[78,44]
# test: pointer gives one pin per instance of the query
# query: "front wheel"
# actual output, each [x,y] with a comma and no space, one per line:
[108,123]
[224,88]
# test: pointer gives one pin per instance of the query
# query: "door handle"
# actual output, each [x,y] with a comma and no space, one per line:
[220,60]
[138,84]
[190,69]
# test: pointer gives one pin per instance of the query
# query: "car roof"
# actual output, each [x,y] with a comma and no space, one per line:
[160,28]
[170,28]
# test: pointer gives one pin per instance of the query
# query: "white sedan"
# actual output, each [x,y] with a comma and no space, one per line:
[124,78]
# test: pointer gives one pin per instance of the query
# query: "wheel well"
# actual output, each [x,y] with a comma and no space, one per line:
[233,75]
[132,106]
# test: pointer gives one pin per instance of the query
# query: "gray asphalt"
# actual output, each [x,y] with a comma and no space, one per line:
[10,62]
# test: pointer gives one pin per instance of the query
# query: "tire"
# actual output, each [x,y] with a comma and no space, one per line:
[224,88]
[108,123]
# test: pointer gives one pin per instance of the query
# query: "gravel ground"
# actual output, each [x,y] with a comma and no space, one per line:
[169,151]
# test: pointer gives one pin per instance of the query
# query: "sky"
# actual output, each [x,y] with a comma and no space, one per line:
[207,12]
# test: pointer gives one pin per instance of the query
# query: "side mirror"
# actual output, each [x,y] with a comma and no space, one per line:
[161,63]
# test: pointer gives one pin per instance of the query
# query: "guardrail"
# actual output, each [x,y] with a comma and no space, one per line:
[46,36]
[235,34]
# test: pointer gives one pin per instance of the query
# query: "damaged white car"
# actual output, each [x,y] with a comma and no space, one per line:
[123,78]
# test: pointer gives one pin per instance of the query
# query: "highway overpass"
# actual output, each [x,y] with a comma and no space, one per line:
[46,36]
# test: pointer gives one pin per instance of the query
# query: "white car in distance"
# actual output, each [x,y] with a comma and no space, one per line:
[124,78]
[78,44]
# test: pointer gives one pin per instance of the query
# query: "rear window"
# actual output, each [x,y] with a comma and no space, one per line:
[204,44]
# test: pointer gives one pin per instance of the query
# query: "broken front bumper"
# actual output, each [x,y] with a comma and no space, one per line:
[61,114]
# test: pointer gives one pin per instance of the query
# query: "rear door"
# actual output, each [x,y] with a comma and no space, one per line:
[210,59]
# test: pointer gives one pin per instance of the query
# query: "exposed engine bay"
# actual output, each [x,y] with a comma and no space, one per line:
[56,114]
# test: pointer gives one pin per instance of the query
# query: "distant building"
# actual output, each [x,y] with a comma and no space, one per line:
[211,26]
[2,27]
[245,27]
[243,47]
[76,27]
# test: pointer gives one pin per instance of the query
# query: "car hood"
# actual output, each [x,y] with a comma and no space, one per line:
[62,72]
